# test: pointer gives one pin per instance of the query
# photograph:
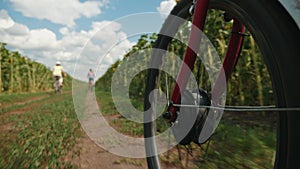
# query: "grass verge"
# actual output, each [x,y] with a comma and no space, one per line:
[41,135]
[234,144]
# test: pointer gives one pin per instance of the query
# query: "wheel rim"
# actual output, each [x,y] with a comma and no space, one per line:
[155,159]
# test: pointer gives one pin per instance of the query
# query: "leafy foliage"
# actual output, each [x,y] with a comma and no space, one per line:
[249,84]
[21,74]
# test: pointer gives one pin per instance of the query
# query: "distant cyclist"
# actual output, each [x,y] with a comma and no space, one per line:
[58,73]
[91,77]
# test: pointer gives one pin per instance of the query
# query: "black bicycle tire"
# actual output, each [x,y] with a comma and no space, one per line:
[277,37]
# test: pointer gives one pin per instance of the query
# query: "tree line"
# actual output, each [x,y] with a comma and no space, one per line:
[21,74]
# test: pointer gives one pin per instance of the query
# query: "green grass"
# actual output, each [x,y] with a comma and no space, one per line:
[242,147]
[129,127]
[106,103]
[7,99]
[232,146]
[40,136]
[122,124]
[18,101]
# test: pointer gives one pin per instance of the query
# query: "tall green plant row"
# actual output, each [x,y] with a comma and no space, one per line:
[20,74]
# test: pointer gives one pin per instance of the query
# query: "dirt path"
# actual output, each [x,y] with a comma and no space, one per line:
[88,155]
[23,102]
[27,105]
[85,154]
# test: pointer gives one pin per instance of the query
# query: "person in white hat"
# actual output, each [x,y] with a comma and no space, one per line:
[58,73]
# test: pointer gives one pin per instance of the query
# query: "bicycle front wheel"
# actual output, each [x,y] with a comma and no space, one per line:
[272,42]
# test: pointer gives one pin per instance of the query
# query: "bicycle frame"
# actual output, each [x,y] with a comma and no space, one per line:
[231,57]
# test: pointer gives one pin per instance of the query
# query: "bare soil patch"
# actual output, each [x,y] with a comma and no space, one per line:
[88,155]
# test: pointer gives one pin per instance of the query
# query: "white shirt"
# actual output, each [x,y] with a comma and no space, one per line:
[57,71]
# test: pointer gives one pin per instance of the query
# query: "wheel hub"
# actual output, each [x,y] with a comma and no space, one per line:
[189,120]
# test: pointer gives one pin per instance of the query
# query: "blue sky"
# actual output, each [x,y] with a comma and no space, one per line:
[51,30]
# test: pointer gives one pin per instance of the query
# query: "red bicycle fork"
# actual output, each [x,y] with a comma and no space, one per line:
[231,57]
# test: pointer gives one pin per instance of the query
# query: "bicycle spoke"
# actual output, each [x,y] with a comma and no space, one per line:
[241,140]
[241,108]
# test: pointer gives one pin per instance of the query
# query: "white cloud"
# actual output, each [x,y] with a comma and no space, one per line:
[40,39]
[165,7]
[104,41]
[5,19]
[18,30]
[72,39]
[19,36]
[63,12]
[107,45]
